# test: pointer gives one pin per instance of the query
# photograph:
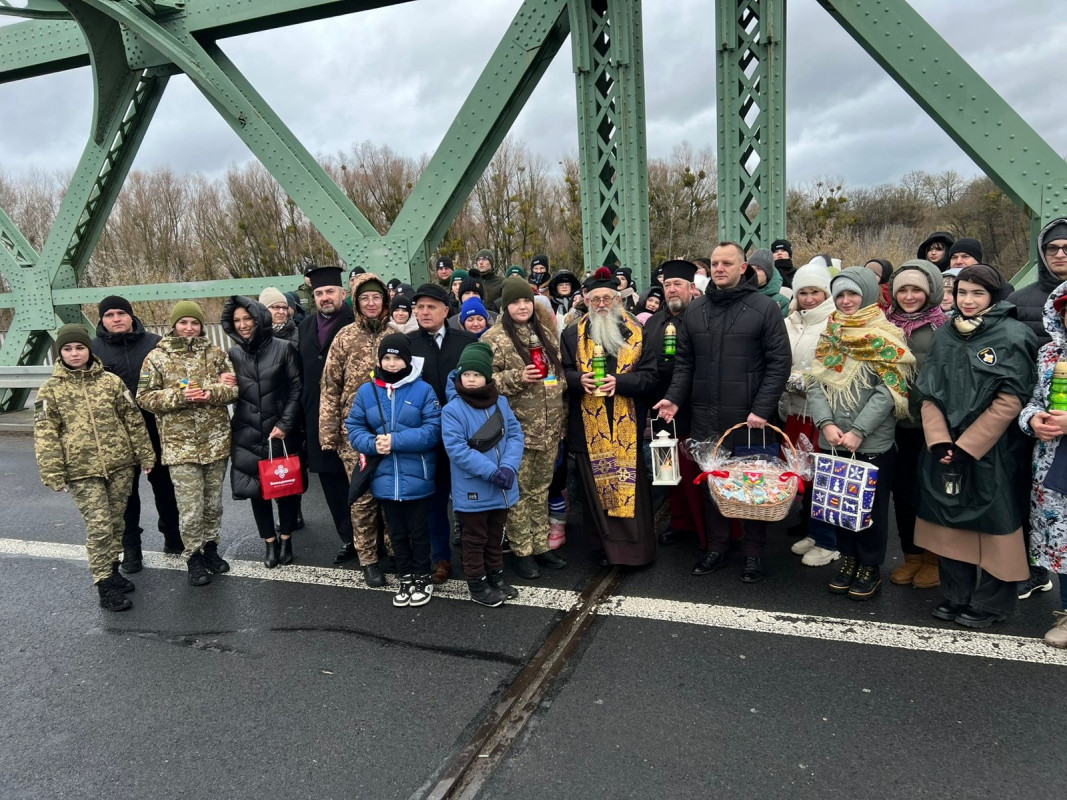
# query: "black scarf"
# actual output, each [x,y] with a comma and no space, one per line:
[484,397]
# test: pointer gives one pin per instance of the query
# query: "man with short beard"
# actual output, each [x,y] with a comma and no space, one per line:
[316,333]
[351,359]
[732,365]
[687,502]
[605,429]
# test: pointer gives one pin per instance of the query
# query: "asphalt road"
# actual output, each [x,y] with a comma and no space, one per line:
[259,687]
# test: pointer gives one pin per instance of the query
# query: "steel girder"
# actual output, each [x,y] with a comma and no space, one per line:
[609,77]
[750,79]
[959,100]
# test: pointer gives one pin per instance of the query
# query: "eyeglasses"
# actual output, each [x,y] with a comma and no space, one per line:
[278,307]
[600,301]
[1052,249]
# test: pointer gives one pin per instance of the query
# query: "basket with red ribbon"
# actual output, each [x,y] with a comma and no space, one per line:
[757,487]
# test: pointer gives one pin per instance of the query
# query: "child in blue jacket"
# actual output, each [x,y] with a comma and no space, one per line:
[484,469]
[396,415]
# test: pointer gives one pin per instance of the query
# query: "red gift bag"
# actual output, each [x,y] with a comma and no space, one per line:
[280,477]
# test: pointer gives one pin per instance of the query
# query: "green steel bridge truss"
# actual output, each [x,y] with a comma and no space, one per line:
[134,46]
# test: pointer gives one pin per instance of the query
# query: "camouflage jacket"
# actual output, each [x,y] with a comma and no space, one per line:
[197,433]
[538,406]
[353,354]
[87,425]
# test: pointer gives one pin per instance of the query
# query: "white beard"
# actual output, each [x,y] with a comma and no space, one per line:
[604,330]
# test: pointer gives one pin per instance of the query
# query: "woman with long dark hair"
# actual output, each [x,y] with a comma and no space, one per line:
[527,370]
[266,418]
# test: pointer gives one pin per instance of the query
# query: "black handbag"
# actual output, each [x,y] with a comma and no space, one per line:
[489,434]
[368,464]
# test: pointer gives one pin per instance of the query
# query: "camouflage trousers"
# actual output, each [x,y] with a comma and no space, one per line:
[198,490]
[527,525]
[367,518]
[102,503]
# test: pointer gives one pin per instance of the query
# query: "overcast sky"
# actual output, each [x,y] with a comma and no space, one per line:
[398,76]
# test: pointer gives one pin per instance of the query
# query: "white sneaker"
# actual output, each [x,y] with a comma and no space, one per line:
[803,546]
[421,592]
[819,557]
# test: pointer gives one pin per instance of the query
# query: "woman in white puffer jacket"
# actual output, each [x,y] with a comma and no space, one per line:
[808,311]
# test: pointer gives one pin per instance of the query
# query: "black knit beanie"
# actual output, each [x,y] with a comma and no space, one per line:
[113,301]
[395,344]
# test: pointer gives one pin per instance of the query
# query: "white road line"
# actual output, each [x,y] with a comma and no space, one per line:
[864,632]
[532,596]
[881,634]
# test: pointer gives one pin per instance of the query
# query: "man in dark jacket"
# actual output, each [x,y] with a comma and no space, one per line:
[732,365]
[316,333]
[494,284]
[687,499]
[1030,306]
[122,343]
[439,346]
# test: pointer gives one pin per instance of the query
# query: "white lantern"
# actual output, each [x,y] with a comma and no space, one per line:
[666,469]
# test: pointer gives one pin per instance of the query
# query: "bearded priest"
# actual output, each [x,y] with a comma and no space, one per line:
[609,380]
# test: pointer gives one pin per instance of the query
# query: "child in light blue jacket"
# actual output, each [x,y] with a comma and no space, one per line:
[485,443]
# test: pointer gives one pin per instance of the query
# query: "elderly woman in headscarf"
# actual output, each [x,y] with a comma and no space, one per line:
[974,472]
[862,368]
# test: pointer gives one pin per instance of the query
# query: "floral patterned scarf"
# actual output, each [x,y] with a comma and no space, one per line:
[853,348]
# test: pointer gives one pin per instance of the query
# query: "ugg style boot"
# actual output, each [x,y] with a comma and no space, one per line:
[928,575]
[905,573]
[1057,636]
[482,592]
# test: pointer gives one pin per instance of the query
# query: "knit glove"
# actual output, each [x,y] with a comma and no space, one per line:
[504,477]
[961,456]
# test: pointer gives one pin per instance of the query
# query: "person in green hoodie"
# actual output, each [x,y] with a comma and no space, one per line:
[770,279]
[89,437]
[187,382]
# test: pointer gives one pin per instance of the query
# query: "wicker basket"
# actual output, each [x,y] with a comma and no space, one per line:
[737,509]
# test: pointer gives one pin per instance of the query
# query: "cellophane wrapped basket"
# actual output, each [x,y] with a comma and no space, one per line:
[756,487]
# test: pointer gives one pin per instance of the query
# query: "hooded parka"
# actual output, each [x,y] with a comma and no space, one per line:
[1030,300]
[269,386]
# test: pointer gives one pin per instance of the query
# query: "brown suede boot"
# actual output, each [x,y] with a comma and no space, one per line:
[928,575]
[905,573]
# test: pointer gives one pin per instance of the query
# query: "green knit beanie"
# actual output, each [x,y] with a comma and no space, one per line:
[186,308]
[73,332]
[484,254]
[515,288]
[515,269]
[459,275]
[476,357]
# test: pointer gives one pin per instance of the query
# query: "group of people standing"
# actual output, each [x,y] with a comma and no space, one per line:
[508,389]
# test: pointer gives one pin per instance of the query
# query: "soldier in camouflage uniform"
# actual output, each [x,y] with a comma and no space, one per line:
[353,355]
[538,405]
[89,436]
[187,382]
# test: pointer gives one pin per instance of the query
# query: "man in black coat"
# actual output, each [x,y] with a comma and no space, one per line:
[122,343]
[732,365]
[687,499]
[316,332]
[439,346]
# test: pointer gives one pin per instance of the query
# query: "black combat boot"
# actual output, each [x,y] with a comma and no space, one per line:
[482,592]
[111,599]
[213,561]
[132,561]
[119,581]
[198,574]
[526,567]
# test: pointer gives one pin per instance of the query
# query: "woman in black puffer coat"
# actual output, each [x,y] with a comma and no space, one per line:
[267,407]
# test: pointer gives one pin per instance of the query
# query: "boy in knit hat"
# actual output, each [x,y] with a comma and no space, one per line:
[485,445]
[187,382]
[89,437]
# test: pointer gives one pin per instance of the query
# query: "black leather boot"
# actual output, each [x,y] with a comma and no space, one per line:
[285,552]
[270,556]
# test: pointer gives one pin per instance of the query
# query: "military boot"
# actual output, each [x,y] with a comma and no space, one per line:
[119,581]
[214,562]
[198,574]
[111,599]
